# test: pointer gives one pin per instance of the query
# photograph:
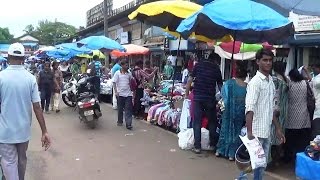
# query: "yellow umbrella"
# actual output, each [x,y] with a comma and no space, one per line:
[94,52]
[168,15]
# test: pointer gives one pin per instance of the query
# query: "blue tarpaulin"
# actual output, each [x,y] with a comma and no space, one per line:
[4,47]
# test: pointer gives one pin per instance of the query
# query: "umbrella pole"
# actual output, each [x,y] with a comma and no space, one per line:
[174,73]
[232,55]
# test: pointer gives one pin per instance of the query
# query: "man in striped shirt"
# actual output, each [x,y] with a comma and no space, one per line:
[260,106]
[206,75]
[121,83]
[141,76]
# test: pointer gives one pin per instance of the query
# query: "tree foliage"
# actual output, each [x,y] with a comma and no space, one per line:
[5,36]
[51,33]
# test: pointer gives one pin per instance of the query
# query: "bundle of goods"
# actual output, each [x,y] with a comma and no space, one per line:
[106,87]
[164,115]
[166,88]
[313,150]
[307,163]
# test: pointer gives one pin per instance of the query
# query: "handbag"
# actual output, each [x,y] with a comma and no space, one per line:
[311,101]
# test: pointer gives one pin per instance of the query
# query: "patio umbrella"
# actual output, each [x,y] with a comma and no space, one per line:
[167,15]
[47,48]
[246,20]
[100,43]
[93,53]
[74,48]
[131,49]
[240,47]
[302,7]
[239,50]
[60,53]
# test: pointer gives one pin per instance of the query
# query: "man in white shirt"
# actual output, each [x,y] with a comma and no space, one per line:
[260,107]
[316,90]
[121,84]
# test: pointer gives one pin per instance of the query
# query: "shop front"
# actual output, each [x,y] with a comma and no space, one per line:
[306,41]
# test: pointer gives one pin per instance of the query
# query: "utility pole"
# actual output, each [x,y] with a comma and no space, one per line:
[106,17]
[106,27]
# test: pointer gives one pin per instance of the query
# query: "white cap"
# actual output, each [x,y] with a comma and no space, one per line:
[16,49]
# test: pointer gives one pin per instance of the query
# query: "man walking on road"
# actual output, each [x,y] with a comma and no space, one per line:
[260,107]
[19,93]
[206,75]
[121,84]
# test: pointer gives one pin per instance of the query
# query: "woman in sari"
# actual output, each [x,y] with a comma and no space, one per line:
[233,118]
[281,103]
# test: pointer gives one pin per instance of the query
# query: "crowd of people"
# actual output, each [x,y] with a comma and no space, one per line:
[272,106]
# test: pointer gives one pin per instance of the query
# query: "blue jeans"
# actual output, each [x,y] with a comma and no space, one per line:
[258,173]
[209,109]
[125,104]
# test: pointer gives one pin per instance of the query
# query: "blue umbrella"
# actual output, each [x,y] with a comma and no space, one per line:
[101,43]
[302,7]
[74,49]
[59,53]
[248,21]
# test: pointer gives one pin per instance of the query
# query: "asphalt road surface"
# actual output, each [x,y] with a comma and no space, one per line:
[112,152]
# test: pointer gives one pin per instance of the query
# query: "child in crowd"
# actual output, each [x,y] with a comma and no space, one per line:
[146,100]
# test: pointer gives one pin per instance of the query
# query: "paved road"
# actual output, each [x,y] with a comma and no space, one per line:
[111,152]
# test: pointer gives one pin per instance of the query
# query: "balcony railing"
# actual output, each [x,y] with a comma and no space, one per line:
[97,17]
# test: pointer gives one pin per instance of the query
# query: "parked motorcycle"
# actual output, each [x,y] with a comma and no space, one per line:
[87,102]
[69,93]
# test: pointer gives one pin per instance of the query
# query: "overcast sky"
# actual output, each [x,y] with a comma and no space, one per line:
[17,14]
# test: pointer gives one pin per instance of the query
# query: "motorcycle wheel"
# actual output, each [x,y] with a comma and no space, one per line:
[92,124]
[67,102]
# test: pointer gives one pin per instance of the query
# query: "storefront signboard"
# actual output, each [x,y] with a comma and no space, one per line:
[304,23]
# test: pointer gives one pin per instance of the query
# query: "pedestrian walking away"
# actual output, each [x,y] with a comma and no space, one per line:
[121,83]
[206,74]
[46,83]
[19,93]
[96,72]
[58,78]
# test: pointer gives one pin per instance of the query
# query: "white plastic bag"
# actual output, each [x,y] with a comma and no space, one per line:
[185,115]
[205,140]
[256,152]
[186,139]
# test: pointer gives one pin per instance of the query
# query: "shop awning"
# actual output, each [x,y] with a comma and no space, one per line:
[30,44]
[308,39]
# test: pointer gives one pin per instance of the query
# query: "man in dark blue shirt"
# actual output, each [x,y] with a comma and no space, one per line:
[205,75]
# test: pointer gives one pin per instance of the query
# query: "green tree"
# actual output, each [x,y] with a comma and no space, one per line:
[51,33]
[29,29]
[5,36]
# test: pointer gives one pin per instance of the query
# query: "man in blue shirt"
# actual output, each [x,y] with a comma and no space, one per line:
[18,96]
[114,69]
[206,75]
[96,71]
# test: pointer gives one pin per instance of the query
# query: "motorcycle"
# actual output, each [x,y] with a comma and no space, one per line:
[69,93]
[87,102]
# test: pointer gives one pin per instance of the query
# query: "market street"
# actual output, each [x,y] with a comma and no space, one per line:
[111,152]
